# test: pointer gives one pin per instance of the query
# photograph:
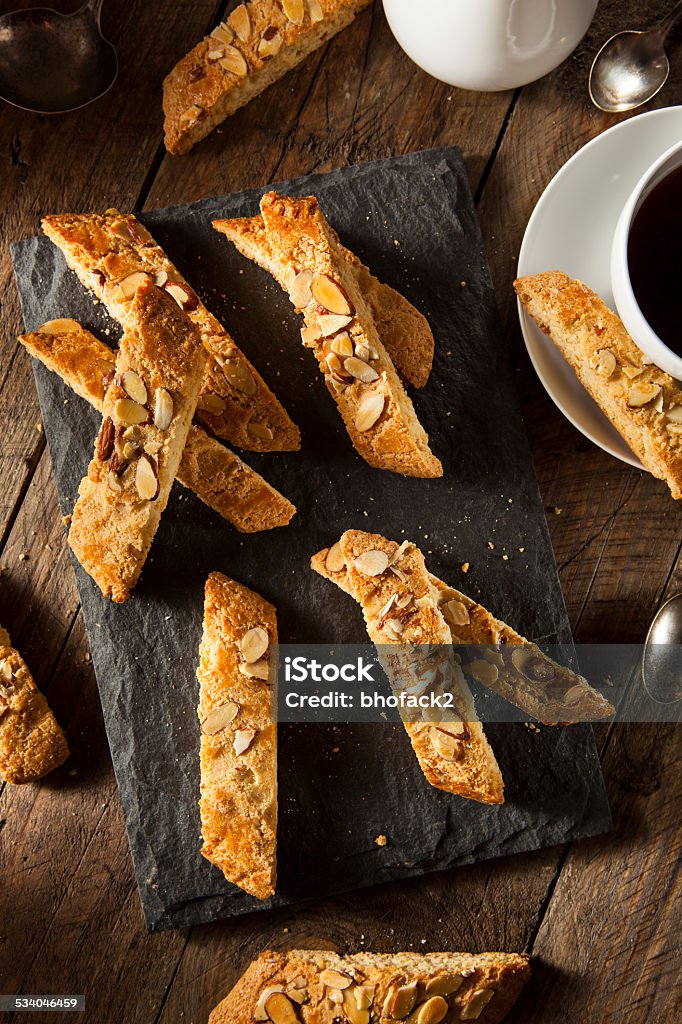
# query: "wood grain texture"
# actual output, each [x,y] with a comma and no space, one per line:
[603,917]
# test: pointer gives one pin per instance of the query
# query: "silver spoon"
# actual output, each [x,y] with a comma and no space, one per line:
[52,62]
[632,67]
[662,655]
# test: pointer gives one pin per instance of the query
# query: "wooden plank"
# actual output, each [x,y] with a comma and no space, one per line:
[357,99]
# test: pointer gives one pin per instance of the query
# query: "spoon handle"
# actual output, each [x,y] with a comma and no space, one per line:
[666,24]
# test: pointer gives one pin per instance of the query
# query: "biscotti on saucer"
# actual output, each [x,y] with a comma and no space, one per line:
[238,736]
[112,254]
[257,44]
[643,403]
[147,414]
[216,475]
[321,987]
[32,743]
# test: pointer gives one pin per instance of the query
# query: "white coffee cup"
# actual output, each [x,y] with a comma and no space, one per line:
[489,44]
[635,322]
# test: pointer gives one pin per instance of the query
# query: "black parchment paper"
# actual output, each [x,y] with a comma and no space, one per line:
[411,219]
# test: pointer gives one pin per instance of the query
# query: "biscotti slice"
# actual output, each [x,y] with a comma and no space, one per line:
[643,403]
[216,475]
[320,987]
[403,330]
[503,661]
[32,743]
[258,43]
[392,586]
[238,737]
[112,254]
[147,414]
[357,369]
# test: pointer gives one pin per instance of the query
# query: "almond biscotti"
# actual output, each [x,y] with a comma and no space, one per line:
[341,332]
[32,743]
[257,44]
[643,403]
[147,414]
[238,736]
[391,584]
[112,254]
[322,987]
[216,475]
[501,659]
[403,330]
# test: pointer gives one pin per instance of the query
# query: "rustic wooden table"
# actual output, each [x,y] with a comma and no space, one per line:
[602,918]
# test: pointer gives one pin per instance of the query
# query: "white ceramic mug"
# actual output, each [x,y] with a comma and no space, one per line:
[489,44]
[628,308]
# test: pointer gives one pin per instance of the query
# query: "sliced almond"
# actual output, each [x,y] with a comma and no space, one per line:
[364,996]
[399,552]
[369,410]
[280,1010]
[352,1011]
[234,62]
[261,430]
[335,979]
[371,563]
[573,695]
[254,644]
[271,43]
[294,10]
[335,996]
[310,335]
[632,371]
[63,326]
[163,409]
[643,393]
[360,370]
[183,295]
[332,323]
[125,290]
[146,478]
[606,362]
[477,1004]
[133,385]
[342,345]
[444,984]
[114,482]
[334,561]
[674,414]
[256,670]
[299,995]
[299,982]
[445,744]
[259,1013]
[300,293]
[240,22]
[128,412]
[222,33]
[330,295]
[483,671]
[239,376]
[456,613]
[212,404]
[161,278]
[243,738]
[433,1011]
[314,10]
[219,717]
[399,1003]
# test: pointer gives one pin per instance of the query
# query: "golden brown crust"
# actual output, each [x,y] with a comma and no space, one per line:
[32,743]
[393,439]
[257,46]
[643,403]
[238,787]
[116,515]
[541,693]
[216,475]
[464,764]
[105,250]
[301,974]
[403,330]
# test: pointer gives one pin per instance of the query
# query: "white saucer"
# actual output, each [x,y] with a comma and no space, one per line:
[571,229]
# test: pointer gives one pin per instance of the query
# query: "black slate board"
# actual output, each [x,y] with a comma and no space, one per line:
[412,220]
